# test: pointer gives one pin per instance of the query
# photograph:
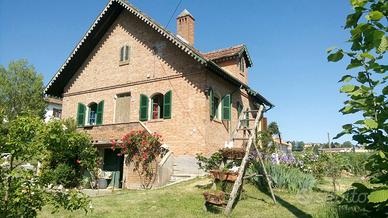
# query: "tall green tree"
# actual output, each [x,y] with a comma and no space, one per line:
[21,90]
[273,128]
[365,85]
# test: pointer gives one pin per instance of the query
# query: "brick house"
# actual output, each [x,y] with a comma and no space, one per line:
[128,73]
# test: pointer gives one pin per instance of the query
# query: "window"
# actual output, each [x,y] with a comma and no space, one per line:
[239,109]
[242,64]
[219,108]
[160,106]
[124,54]
[122,111]
[156,106]
[216,105]
[57,113]
[92,109]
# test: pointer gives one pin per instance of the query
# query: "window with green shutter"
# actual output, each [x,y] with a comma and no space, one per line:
[211,103]
[81,114]
[100,112]
[226,112]
[143,112]
[167,105]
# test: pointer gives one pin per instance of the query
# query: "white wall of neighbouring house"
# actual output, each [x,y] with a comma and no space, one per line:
[50,111]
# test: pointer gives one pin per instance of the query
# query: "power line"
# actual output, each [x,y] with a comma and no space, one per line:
[172,15]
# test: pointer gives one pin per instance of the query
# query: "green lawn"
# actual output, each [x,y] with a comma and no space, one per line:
[186,200]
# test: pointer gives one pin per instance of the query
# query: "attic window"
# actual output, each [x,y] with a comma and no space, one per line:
[242,64]
[124,54]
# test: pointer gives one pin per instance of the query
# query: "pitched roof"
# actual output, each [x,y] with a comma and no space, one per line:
[97,30]
[236,50]
[52,100]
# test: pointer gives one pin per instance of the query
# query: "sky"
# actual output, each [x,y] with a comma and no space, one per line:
[286,41]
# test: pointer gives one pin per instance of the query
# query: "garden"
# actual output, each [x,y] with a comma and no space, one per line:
[43,165]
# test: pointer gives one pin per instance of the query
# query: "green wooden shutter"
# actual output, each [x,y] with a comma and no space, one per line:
[100,112]
[81,114]
[143,112]
[211,103]
[167,105]
[226,107]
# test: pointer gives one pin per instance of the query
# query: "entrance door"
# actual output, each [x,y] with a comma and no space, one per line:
[113,164]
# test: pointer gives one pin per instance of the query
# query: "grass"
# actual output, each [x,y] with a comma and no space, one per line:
[186,200]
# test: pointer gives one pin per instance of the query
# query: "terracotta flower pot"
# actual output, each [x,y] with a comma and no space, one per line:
[233,153]
[217,198]
[224,175]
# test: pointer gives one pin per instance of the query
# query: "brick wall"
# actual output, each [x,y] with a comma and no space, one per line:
[232,67]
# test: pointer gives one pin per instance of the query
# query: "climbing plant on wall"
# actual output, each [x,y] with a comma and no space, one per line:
[141,149]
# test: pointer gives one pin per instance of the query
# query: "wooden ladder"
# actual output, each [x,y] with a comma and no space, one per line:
[250,142]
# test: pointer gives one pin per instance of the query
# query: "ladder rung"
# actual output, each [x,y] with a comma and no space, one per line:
[248,119]
[240,138]
[245,129]
[250,111]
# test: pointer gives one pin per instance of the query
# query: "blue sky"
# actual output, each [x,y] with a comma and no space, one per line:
[286,40]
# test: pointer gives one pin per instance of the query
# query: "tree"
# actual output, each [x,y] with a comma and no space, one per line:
[273,128]
[22,192]
[366,89]
[21,90]
[347,144]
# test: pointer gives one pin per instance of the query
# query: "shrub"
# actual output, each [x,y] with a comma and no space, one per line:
[283,177]
[22,192]
[209,163]
[69,154]
[355,163]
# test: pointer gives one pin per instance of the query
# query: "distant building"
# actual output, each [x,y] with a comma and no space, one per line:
[284,146]
[343,150]
[54,109]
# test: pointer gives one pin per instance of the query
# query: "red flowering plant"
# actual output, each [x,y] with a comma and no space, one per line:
[141,149]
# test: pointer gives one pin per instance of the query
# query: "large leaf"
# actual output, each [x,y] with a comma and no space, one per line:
[383,44]
[371,124]
[361,187]
[358,3]
[367,55]
[346,78]
[334,57]
[352,19]
[378,196]
[353,64]
[347,88]
[375,15]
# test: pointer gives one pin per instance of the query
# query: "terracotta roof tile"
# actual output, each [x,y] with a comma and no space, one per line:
[225,52]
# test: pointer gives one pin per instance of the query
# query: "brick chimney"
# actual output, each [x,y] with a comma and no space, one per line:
[185,26]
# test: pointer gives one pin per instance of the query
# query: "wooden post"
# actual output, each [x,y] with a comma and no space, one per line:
[266,176]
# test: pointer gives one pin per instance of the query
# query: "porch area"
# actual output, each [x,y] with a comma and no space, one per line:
[114,172]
